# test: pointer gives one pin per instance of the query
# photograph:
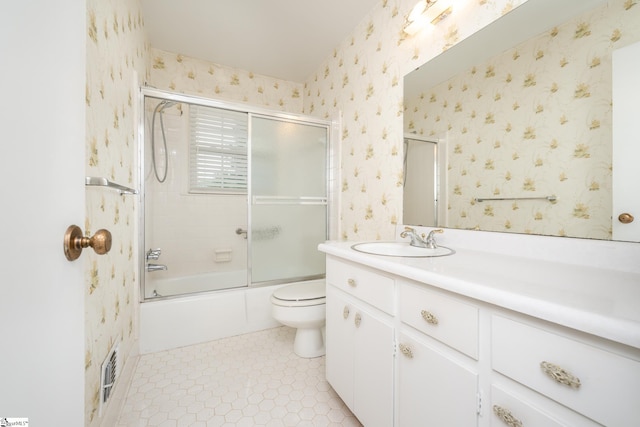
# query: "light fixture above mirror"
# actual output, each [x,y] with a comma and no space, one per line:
[427,12]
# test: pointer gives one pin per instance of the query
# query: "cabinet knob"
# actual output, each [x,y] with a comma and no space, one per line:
[345,311]
[352,282]
[559,375]
[357,320]
[429,317]
[626,218]
[506,416]
[406,350]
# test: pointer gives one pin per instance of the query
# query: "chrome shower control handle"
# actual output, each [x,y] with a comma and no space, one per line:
[153,254]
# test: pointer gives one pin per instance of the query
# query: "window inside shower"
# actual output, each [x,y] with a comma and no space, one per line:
[231,196]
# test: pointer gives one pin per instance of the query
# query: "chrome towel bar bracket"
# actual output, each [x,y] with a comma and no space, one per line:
[104,182]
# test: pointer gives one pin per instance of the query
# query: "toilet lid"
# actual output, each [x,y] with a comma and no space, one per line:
[301,292]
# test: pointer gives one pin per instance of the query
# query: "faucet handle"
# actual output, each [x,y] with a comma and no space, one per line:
[408,230]
[431,240]
[153,254]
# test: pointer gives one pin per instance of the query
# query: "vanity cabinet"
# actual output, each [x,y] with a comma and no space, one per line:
[425,356]
[592,381]
[360,342]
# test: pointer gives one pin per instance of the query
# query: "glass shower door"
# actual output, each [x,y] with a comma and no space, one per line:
[288,212]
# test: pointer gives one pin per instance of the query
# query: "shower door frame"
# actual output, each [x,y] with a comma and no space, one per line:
[331,126]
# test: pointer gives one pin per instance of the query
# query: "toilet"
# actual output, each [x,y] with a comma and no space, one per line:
[302,306]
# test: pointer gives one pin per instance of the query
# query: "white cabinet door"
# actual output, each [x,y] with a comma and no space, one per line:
[434,389]
[373,370]
[359,361]
[339,360]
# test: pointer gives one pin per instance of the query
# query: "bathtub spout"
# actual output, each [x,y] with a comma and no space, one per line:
[156,267]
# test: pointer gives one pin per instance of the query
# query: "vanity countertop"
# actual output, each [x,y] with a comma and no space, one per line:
[597,300]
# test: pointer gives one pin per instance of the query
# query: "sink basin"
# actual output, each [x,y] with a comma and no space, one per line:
[400,249]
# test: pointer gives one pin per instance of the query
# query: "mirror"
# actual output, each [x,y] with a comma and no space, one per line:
[523,109]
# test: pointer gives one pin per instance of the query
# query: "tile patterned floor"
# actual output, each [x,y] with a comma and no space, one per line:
[248,380]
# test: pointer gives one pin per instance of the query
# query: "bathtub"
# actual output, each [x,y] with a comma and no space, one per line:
[196,283]
[192,319]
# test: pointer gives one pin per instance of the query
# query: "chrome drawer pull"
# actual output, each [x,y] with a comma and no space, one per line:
[406,350]
[345,312]
[352,282]
[429,317]
[560,375]
[357,320]
[506,416]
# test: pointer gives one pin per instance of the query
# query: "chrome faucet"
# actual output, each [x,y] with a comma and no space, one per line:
[153,254]
[156,267]
[421,241]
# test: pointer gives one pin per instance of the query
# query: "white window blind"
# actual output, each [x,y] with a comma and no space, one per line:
[218,152]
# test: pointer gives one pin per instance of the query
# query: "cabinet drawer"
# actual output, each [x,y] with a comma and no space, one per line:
[446,319]
[363,283]
[596,383]
[508,411]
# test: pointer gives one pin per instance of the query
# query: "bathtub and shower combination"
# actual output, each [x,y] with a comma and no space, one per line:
[234,201]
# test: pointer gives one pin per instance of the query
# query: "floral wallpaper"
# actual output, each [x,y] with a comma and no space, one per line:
[362,82]
[179,73]
[116,66]
[533,121]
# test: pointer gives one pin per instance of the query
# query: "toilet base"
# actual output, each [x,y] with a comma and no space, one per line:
[309,343]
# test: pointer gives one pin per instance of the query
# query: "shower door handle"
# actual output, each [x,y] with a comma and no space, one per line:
[240,231]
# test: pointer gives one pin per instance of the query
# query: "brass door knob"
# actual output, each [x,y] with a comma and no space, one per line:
[626,218]
[74,242]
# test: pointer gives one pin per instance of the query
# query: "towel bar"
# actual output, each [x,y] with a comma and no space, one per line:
[104,182]
[549,198]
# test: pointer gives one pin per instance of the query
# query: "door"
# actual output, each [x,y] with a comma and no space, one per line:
[288,212]
[373,370]
[434,389]
[339,344]
[420,193]
[42,130]
[626,143]
[359,361]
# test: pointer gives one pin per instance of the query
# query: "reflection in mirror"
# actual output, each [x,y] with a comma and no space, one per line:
[420,182]
[532,121]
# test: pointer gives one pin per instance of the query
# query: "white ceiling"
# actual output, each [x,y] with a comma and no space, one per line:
[286,39]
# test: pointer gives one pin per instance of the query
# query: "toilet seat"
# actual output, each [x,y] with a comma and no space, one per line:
[300,295]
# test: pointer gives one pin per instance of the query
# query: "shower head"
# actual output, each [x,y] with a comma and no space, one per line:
[166,104]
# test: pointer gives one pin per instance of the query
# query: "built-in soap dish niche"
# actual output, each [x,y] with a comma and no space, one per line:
[109,372]
[223,255]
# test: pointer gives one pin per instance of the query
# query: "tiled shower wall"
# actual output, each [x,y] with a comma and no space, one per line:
[189,228]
